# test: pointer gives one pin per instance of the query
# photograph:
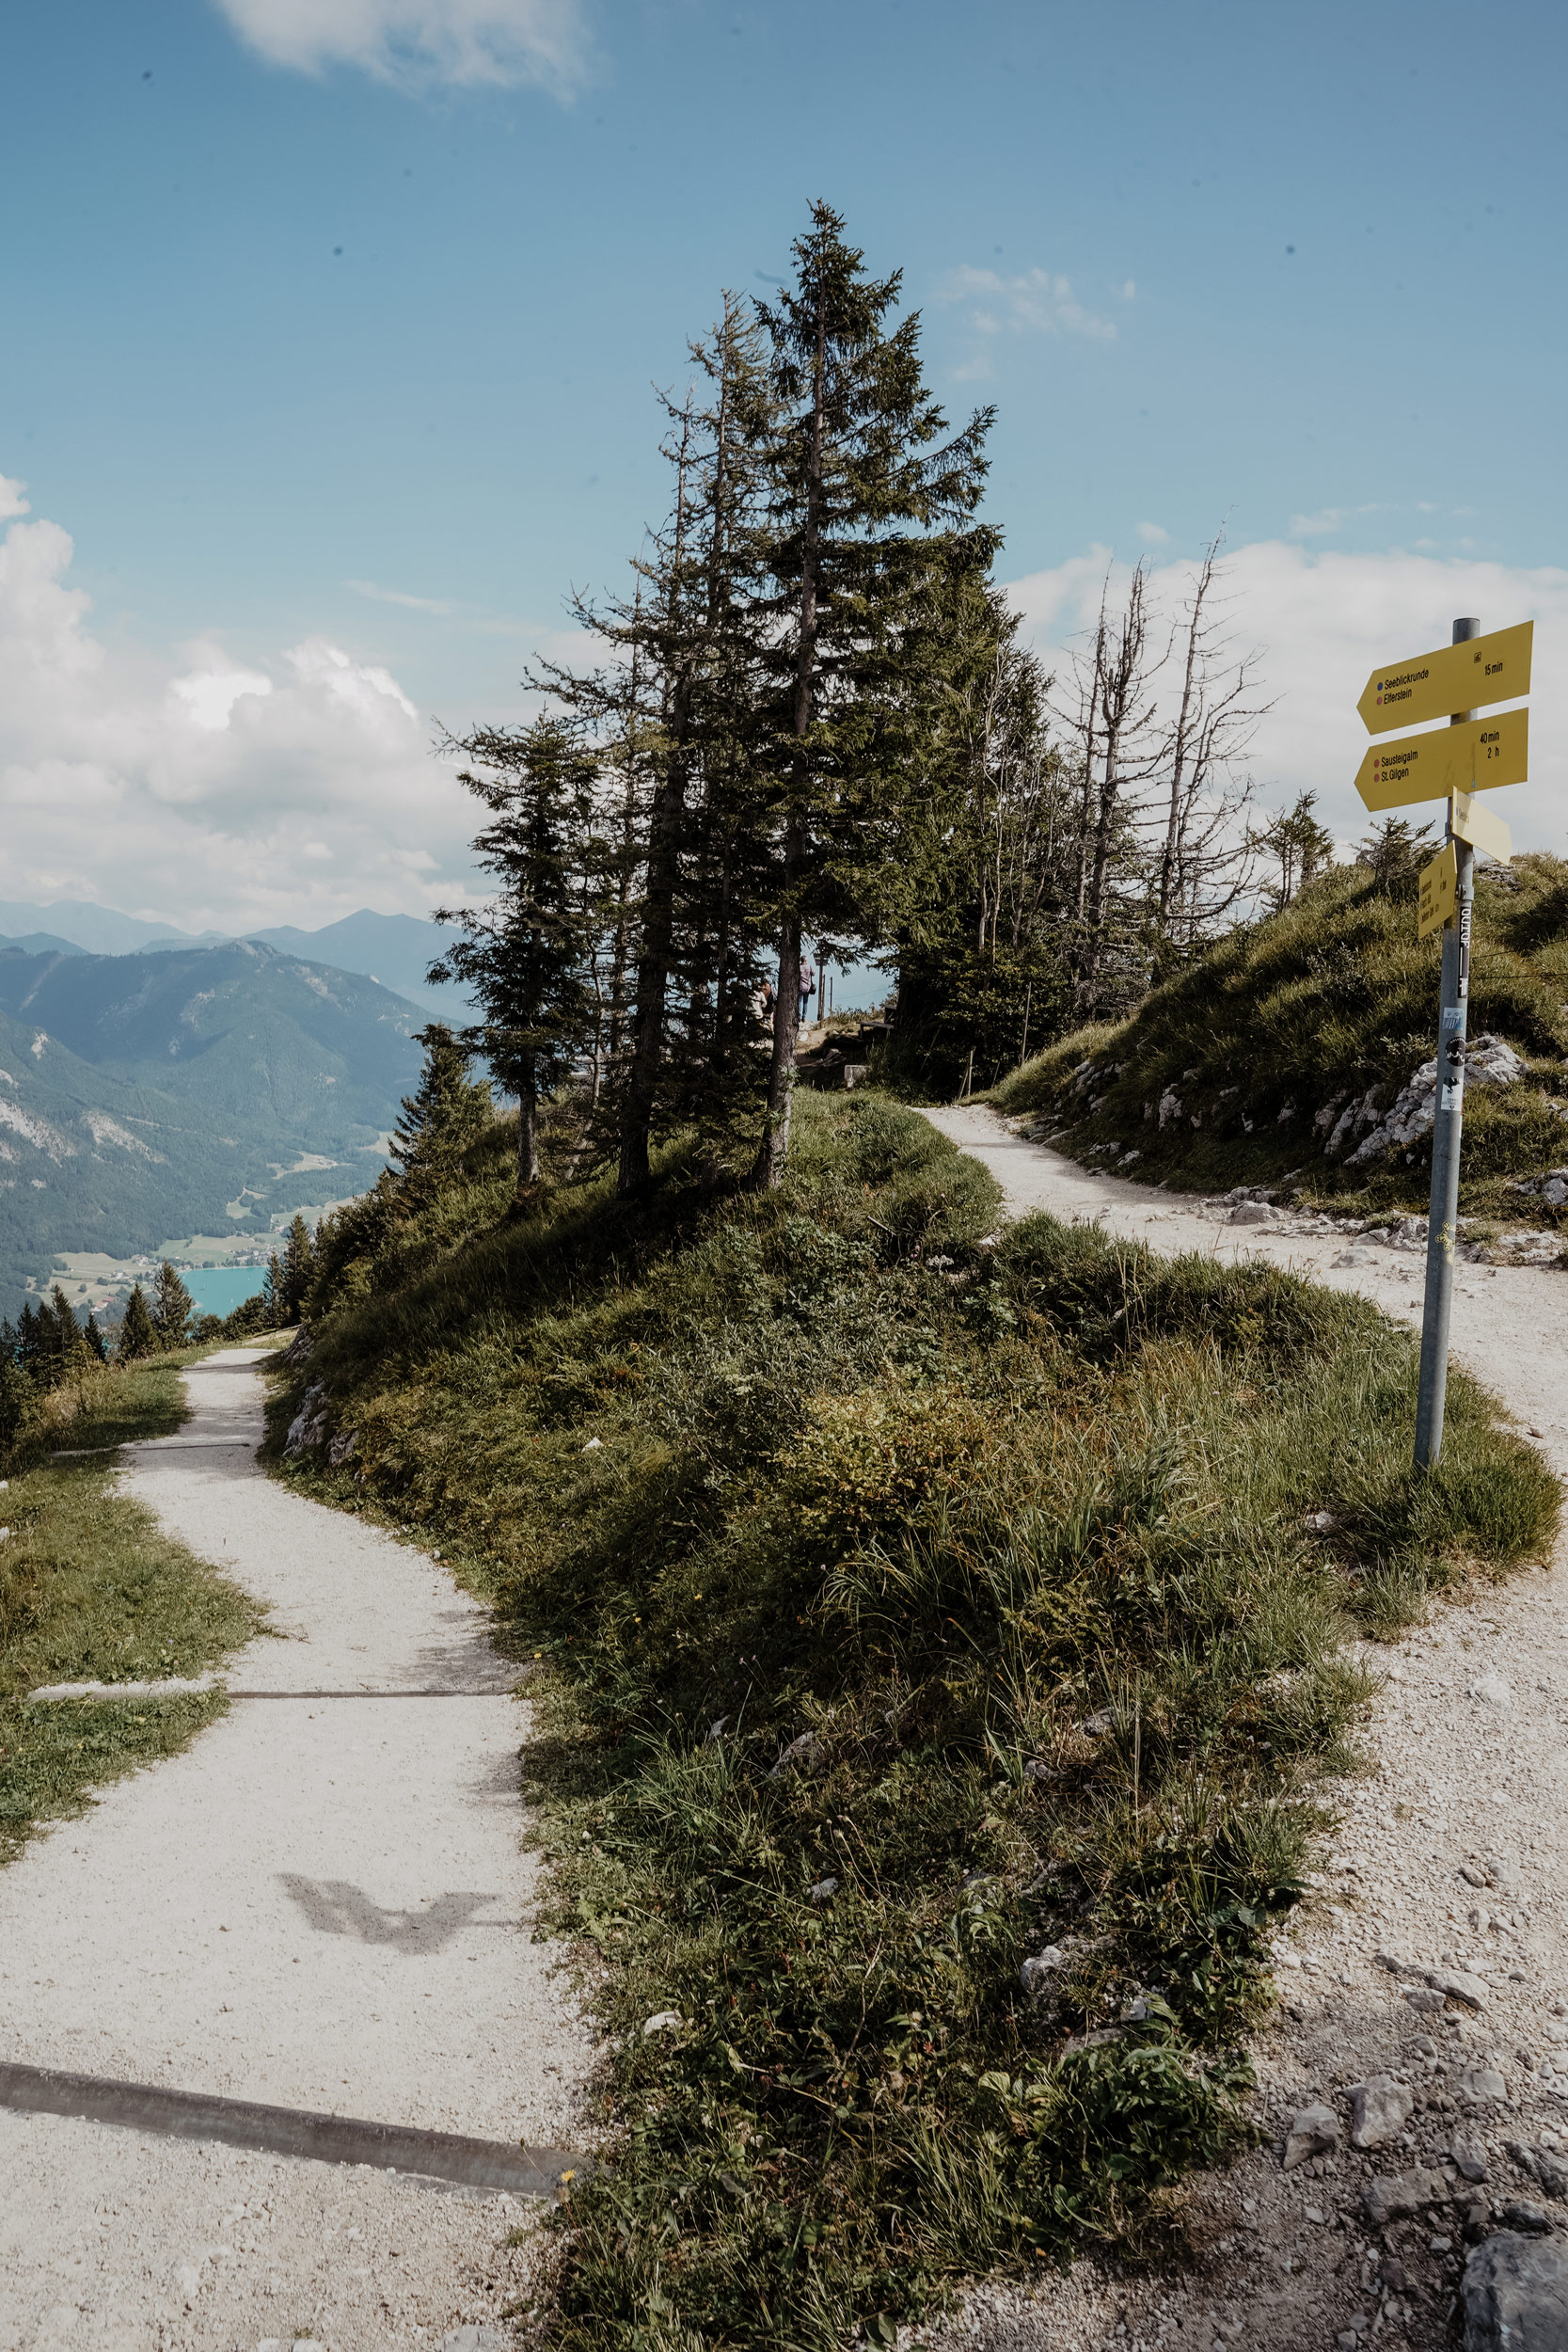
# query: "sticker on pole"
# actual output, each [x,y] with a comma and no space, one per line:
[1475,757]
[1439,892]
[1466,676]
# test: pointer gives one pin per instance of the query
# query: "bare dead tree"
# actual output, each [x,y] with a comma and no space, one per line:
[1117,751]
[1206,858]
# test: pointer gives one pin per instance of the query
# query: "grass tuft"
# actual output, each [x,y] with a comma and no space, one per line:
[92,1591]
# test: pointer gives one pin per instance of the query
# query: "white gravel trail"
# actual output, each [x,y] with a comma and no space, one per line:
[1467,1744]
[325,1904]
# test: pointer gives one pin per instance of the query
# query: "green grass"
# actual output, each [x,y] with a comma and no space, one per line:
[976,1581]
[1306,1011]
[91,1590]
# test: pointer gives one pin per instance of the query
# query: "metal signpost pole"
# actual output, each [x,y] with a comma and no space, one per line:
[1448,1120]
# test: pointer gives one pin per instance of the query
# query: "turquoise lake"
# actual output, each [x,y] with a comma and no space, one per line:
[217,1290]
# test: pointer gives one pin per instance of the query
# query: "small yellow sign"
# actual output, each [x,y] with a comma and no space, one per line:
[1471,820]
[1476,756]
[1439,891]
[1483,670]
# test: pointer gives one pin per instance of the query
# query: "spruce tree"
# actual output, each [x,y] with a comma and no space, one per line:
[680,695]
[446,1112]
[866,503]
[70,1346]
[171,1308]
[95,1339]
[524,958]
[17,1393]
[29,1339]
[298,1265]
[139,1334]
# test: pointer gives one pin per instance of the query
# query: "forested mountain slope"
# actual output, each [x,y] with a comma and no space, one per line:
[1293,1049]
[141,1096]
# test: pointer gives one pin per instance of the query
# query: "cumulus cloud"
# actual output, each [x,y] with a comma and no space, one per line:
[500,43]
[202,790]
[1033,302]
[11,501]
[1036,301]
[1325,620]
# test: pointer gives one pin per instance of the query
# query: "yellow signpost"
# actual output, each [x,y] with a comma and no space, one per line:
[1471,820]
[1438,891]
[1477,756]
[1455,763]
[1466,676]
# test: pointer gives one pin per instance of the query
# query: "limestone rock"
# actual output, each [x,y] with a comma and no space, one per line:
[802,1755]
[1379,2111]
[1480,2083]
[1469,2156]
[1459,1985]
[1038,1971]
[308,1425]
[1314,2131]
[1390,2200]
[1515,2294]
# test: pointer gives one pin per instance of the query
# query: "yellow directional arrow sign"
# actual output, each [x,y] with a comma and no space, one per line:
[1471,820]
[1465,677]
[1439,889]
[1481,753]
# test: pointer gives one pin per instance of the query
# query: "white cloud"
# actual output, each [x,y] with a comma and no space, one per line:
[1325,620]
[11,501]
[500,43]
[1154,535]
[1326,521]
[202,790]
[1034,302]
[210,694]
[396,596]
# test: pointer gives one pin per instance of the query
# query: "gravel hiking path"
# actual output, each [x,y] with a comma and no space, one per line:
[1452,1855]
[325,1904]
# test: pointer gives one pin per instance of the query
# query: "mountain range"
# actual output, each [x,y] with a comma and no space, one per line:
[394,949]
[195,1090]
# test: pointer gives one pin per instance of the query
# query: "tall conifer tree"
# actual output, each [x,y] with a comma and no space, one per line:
[525,956]
[865,500]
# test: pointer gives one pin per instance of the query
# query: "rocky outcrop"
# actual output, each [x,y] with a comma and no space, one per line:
[308,1428]
[1488,1062]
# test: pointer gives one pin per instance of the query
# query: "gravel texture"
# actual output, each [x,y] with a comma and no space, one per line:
[1445,1880]
[324,1903]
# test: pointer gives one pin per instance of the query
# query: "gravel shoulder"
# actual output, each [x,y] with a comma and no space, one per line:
[1451,1856]
[324,1903]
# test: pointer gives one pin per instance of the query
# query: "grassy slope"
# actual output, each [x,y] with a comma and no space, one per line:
[91,1591]
[1331,997]
[904,1606]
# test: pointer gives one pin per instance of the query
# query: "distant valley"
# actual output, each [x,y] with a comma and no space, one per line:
[188,1090]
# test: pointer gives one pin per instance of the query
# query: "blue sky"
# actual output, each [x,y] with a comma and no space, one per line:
[318,304]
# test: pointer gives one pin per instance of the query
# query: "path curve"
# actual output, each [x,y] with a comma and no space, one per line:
[1468,1740]
[322,1905]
